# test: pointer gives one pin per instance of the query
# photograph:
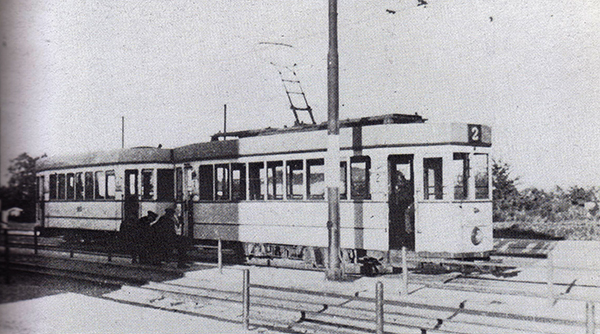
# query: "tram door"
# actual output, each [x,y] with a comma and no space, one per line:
[131,204]
[401,201]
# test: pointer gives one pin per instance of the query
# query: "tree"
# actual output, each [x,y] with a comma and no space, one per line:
[505,193]
[21,188]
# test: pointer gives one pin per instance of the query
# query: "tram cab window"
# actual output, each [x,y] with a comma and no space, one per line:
[221,182]
[461,177]
[359,177]
[315,176]
[147,184]
[110,184]
[295,179]
[480,166]
[205,180]
[432,178]
[100,185]
[275,180]
[343,180]
[89,185]
[79,186]
[256,179]
[238,182]
[52,186]
[62,194]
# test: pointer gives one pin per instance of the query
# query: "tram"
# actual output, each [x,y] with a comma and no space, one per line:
[404,182]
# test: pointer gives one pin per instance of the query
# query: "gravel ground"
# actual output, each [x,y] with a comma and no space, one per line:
[29,286]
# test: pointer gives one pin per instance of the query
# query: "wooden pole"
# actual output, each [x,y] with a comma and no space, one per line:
[220,255]
[246,299]
[590,321]
[379,307]
[7,277]
[334,271]
[224,121]
[35,240]
[404,272]
[550,278]
[122,131]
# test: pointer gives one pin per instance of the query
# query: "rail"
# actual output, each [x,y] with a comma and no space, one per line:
[379,307]
[109,251]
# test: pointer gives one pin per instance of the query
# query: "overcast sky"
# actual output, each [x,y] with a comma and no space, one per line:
[530,69]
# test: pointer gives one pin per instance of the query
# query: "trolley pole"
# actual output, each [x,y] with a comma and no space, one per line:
[332,175]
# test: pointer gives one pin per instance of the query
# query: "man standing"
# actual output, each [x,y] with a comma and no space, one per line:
[163,233]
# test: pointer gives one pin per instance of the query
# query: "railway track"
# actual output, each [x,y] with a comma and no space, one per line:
[307,310]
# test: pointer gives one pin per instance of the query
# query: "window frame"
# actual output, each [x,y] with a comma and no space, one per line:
[363,193]
[293,169]
[438,179]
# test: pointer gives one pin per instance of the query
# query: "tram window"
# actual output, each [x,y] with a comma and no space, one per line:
[256,179]
[40,188]
[480,172]
[52,186]
[89,185]
[461,179]
[179,183]
[100,185]
[315,174]
[275,180]
[79,186]
[205,179]
[110,184]
[147,185]
[295,179]
[165,188]
[432,175]
[70,186]
[343,180]
[359,177]
[221,182]
[238,182]
[61,187]
[192,183]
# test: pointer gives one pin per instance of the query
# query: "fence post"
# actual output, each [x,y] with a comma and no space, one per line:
[379,307]
[550,278]
[590,321]
[220,255]
[404,273]
[246,299]
[35,240]
[6,257]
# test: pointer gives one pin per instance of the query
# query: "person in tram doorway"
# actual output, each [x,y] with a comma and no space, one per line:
[166,239]
[143,243]
[163,237]
[181,242]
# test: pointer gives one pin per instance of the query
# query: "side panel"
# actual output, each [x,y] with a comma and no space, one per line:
[363,225]
[447,227]
[104,216]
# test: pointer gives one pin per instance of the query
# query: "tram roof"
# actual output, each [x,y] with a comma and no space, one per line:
[119,156]
[347,123]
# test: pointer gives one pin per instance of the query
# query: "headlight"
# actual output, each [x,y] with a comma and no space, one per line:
[476,236]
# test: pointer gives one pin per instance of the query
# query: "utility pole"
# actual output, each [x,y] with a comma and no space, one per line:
[225,122]
[334,271]
[122,131]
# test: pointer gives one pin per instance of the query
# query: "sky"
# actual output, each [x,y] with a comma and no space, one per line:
[70,70]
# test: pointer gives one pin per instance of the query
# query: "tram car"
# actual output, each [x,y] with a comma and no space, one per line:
[403,183]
